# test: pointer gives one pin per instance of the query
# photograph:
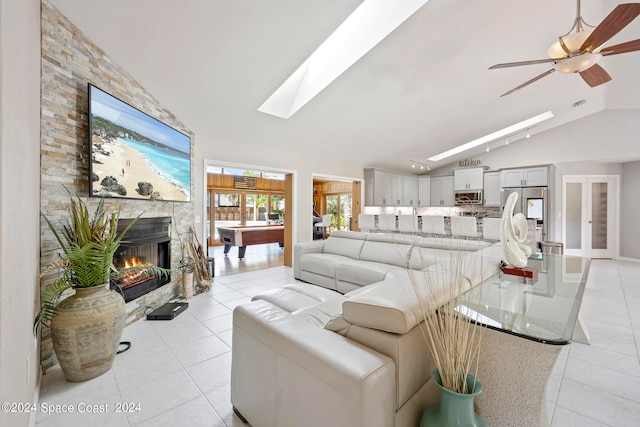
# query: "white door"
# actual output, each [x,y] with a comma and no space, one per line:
[589,206]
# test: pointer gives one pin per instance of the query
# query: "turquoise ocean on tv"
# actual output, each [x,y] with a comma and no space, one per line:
[174,166]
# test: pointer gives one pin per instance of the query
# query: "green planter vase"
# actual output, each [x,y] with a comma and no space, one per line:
[454,409]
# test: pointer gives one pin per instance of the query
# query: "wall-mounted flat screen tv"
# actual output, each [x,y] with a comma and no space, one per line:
[134,155]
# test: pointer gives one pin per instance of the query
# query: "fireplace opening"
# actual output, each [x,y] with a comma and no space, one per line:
[147,242]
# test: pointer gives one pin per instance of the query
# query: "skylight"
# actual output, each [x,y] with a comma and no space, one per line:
[493,136]
[369,24]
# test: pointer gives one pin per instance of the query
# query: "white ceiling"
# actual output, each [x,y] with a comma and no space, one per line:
[424,89]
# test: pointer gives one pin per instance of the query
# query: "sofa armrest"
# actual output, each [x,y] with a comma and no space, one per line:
[288,372]
[300,249]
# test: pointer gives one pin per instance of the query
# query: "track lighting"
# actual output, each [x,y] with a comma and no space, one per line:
[422,165]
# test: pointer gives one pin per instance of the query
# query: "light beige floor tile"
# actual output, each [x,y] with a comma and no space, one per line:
[213,373]
[606,380]
[198,351]
[563,417]
[157,396]
[598,405]
[220,323]
[194,413]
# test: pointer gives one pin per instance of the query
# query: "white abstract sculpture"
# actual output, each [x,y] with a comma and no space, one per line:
[513,232]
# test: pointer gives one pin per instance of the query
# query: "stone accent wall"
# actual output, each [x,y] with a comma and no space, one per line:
[69,62]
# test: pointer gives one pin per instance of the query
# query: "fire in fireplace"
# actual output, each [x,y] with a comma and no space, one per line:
[147,242]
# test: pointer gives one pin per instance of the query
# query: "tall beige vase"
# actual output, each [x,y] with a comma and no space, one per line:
[187,285]
[86,332]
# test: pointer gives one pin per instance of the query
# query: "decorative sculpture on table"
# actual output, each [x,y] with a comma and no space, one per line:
[513,232]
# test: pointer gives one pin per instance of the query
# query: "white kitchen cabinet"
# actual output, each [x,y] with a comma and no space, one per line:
[380,188]
[525,177]
[491,188]
[424,190]
[386,188]
[468,179]
[409,190]
[442,190]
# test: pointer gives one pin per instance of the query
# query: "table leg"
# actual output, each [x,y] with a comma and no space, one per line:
[580,333]
[514,373]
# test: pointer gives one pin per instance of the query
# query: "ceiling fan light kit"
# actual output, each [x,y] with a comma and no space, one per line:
[572,42]
[579,51]
[577,64]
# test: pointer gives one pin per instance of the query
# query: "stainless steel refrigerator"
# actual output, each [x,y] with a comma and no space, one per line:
[532,202]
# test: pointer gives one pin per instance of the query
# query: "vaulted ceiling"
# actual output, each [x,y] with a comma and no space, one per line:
[424,89]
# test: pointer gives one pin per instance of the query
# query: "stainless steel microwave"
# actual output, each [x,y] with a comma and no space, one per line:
[467,197]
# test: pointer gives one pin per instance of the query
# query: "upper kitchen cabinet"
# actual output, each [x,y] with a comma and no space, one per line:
[526,177]
[385,188]
[492,188]
[409,190]
[379,188]
[424,190]
[442,190]
[468,179]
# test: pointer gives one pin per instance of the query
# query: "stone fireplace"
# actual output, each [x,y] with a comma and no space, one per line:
[69,61]
[147,242]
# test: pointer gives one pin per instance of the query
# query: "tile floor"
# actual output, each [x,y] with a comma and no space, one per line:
[178,371]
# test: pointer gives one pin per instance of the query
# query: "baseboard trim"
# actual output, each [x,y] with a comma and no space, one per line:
[622,258]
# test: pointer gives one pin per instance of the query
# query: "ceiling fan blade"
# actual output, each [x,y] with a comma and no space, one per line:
[535,79]
[619,18]
[518,64]
[595,75]
[631,46]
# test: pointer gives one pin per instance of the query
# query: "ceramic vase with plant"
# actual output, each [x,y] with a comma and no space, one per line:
[87,325]
[452,338]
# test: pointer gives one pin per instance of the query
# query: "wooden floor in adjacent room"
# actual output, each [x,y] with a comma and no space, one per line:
[257,257]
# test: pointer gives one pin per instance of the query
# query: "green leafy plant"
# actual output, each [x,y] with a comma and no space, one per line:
[88,242]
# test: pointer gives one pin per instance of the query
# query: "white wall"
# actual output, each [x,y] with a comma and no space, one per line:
[599,144]
[301,163]
[609,136]
[19,202]
[629,207]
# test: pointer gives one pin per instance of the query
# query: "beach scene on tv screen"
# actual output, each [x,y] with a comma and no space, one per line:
[134,155]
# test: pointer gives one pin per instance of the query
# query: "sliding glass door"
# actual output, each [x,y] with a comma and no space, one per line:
[339,207]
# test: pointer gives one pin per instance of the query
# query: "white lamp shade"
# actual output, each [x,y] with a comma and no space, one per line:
[578,63]
[572,41]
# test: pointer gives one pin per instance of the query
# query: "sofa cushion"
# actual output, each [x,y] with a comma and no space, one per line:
[298,296]
[362,273]
[387,306]
[451,243]
[401,301]
[323,264]
[320,314]
[343,246]
[387,253]
[422,258]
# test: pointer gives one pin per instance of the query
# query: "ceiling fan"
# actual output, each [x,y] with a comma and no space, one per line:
[579,50]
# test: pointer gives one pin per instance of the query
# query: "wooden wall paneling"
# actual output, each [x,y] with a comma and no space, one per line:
[356,204]
[288,220]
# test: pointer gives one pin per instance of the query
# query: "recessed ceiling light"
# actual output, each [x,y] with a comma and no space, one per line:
[492,136]
[369,24]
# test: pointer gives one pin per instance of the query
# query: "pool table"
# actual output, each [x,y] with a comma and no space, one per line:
[242,236]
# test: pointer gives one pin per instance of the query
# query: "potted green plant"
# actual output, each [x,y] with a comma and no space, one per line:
[86,327]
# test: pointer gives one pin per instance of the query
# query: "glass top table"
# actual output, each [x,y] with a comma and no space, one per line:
[544,310]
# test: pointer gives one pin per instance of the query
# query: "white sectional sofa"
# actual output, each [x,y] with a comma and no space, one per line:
[349,260]
[307,355]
